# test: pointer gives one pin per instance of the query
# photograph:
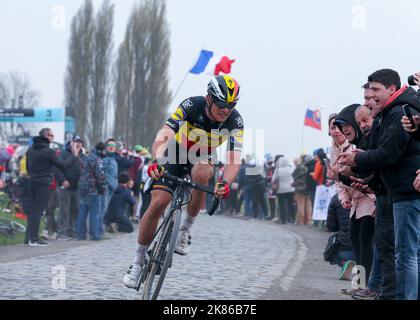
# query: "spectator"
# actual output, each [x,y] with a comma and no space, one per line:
[319,175]
[111,176]
[232,201]
[41,160]
[257,184]
[283,178]
[68,195]
[124,161]
[396,158]
[271,187]
[309,162]
[5,157]
[134,169]
[117,209]
[362,204]
[245,186]
[380,283]
[92,188]
[304,205]
[320,170]
[338,221]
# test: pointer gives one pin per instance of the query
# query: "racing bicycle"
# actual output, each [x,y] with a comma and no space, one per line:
[161,250]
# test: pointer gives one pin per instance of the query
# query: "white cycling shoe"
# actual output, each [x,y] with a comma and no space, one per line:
[183,243]
[131,278]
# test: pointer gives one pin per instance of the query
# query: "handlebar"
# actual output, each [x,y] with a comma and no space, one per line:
[190,184]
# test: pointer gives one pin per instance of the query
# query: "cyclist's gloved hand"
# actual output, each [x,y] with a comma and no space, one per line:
[222,190]
[155,171]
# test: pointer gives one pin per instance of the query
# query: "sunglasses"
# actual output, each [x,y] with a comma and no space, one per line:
[111,145]
[222,105]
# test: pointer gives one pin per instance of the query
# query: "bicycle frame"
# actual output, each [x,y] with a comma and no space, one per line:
[164,239]
[163,248]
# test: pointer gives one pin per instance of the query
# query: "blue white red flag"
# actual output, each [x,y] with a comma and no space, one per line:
[212,63]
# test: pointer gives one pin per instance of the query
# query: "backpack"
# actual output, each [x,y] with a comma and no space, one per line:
[331,248]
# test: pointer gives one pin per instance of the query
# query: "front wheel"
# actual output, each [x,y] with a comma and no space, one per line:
[161,257]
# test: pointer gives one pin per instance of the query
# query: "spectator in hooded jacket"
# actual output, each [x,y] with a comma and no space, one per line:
[41,160]
[362,204]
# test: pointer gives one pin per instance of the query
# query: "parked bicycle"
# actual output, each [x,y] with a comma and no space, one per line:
[9,228]
[160,254]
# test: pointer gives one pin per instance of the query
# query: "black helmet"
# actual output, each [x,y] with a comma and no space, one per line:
[224,90]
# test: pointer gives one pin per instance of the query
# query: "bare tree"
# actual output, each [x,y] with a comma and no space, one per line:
[101,84]
[142,92]
[78,78]
[4,92]
[15,91]
[123,83]
[17,86]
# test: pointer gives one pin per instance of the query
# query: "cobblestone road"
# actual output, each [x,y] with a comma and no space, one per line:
[229,259]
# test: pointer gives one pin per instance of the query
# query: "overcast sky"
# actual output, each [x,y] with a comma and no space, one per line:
[290,55]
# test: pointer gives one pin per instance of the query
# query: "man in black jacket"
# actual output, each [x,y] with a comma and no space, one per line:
[68,197]
[396,157]
[41,160]
[384,223]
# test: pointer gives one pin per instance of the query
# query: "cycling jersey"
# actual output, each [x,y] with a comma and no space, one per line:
[193,127]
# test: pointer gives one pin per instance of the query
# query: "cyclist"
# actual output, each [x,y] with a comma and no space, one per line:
[187,144]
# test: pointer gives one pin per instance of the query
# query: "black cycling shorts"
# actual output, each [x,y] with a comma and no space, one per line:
[180,170]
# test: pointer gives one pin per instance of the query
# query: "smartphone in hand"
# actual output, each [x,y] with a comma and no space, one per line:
[409,115]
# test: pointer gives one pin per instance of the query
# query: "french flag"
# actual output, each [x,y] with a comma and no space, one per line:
[212,63]
[313,119]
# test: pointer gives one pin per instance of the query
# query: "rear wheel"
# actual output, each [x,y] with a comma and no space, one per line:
[161,257]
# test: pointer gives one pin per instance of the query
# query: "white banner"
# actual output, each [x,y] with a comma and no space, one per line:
[323,196]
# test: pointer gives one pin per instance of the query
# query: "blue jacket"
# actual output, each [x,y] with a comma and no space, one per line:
[111,172]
